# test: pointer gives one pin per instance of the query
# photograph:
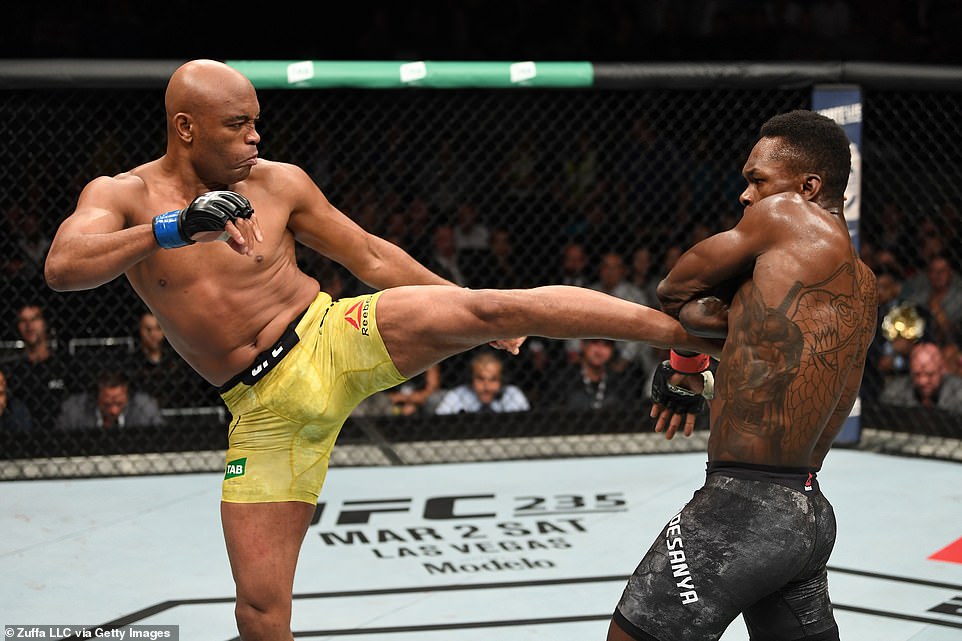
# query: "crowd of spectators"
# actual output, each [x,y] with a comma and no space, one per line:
[111,382]
[914,359]
[608,199]
[49,383]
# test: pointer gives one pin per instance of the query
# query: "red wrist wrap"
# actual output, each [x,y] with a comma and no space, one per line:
[689,364]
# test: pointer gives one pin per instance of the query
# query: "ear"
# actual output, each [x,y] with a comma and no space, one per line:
[811,186]
[183,125]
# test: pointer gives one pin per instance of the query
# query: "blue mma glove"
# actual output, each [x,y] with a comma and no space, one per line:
[208,212]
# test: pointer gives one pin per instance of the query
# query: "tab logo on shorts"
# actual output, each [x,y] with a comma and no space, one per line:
[357,315]
[236,468]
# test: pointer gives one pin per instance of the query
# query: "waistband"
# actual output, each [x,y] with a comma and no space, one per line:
[797,478]
[266,360]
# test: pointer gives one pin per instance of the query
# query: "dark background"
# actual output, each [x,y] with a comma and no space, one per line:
[924,31]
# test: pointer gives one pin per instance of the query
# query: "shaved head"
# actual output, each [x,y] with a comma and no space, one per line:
[212,111]
[200,85]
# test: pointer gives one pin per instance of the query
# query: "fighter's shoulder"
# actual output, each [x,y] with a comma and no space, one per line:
[776,215]
[278,175]
[128,186]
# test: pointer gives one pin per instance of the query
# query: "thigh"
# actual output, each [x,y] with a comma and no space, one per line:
[801,609]
[723,552]
[351,354]
[675,594]
[271,459]
[263,542]
[422,325]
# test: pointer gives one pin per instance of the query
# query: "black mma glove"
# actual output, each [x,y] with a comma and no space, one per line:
[679,399]
[207,212]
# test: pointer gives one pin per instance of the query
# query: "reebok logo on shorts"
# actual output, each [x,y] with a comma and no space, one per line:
[357,316]
[236,468]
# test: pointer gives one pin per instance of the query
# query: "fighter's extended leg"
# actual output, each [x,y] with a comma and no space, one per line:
[263,542]
[424,324]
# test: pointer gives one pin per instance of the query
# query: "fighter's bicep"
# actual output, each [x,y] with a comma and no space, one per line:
[712,262]
[318,224]
[103,207]
[728,254]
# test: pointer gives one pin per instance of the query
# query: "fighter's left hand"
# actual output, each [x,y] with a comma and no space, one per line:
[511,345]
[243,233]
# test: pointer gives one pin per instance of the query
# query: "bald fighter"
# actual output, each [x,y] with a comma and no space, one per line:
[206,236]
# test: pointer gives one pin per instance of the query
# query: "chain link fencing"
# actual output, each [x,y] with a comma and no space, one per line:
[495,188]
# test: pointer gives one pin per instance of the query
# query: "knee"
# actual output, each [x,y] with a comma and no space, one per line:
[263,622]
[493,307]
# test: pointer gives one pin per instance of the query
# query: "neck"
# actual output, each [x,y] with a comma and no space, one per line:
[831,207]
[592,373]
[38,352]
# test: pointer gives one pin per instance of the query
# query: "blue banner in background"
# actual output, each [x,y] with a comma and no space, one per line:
[843,104]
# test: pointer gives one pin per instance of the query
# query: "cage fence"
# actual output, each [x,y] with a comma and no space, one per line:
[517,187]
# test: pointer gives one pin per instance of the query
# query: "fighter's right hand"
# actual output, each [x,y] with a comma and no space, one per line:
[215,211]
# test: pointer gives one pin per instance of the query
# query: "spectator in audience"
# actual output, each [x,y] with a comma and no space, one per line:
[521,183]
[472,241]
[887,356]
[504,272]
[14,415]
[942,295]
[612,280]
[642,275]
[111,405]
[41,374]
[591,383]
[494,267]
[928,242]
[443,259]
[469,231]
[396,227]
[416,395]
[154,368]
[419,218]
[32,240]
[594,229]
[377,404]
[486,392]
[580,171]
[27,242]
[953,359]
[927,384]
[670,255]
[574,266]
[334,280]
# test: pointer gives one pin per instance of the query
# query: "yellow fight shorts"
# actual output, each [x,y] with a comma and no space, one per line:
[290,404]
